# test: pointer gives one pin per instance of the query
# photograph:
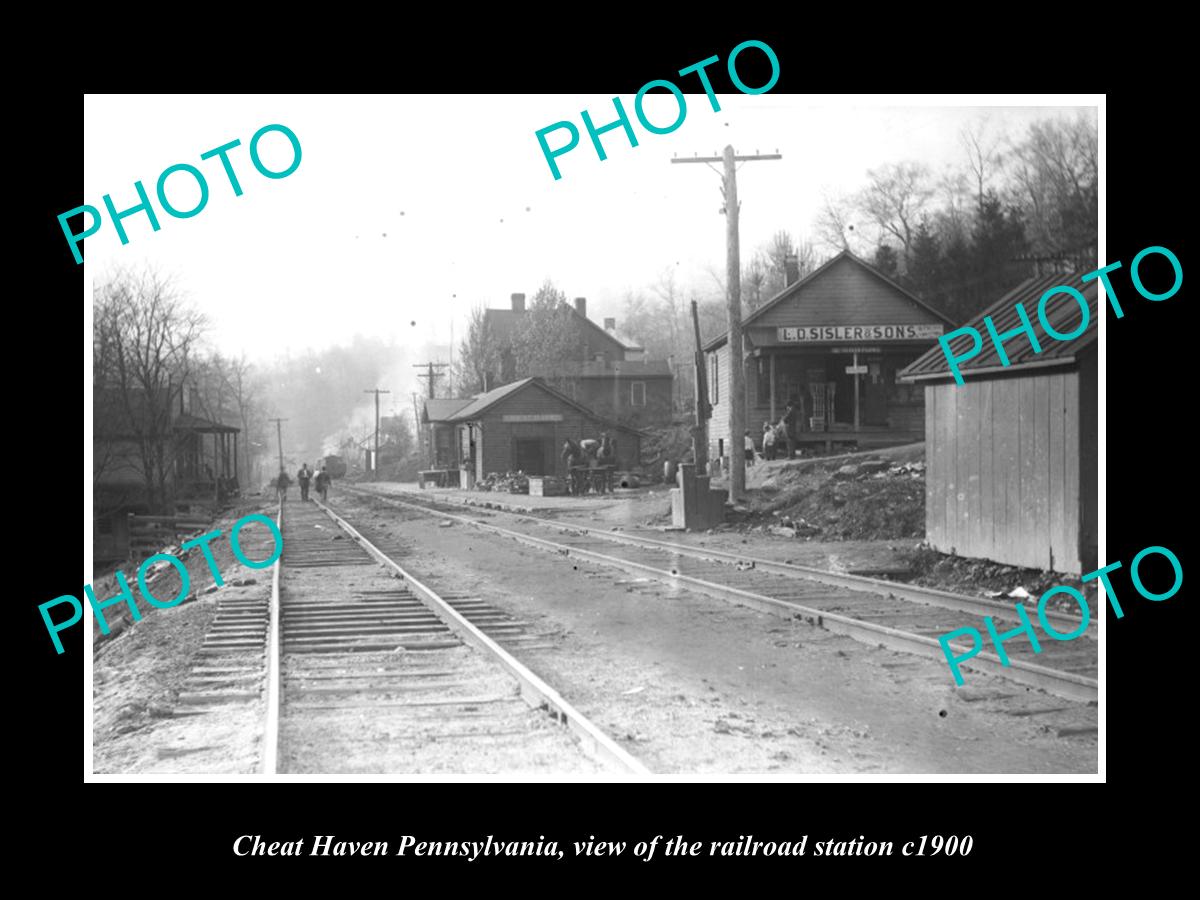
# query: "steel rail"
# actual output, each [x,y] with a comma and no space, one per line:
[270,751]
[1063,684]
[534,690]
[912,593]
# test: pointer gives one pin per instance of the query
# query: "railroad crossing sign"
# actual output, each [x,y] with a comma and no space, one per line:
[856,370]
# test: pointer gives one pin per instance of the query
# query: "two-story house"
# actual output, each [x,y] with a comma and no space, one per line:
[611,375]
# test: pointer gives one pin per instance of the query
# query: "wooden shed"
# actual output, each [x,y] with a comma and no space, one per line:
[522,427]
[1011,453]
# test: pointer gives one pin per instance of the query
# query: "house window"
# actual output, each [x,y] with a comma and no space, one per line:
[714,393]
[637,393]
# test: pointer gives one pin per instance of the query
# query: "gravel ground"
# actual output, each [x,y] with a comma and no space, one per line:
[693,685]
[138,671]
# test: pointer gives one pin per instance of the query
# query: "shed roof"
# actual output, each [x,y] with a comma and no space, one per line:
[1062,314]
[442,410]
[793,291]
[480,403]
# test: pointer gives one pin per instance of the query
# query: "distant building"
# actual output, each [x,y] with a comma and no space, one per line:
[611,375]
[834,343]
[1011,454]
[518,427]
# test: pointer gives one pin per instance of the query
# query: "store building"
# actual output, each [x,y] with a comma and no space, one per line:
[833,342]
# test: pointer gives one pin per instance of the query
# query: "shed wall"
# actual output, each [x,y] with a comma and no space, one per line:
[496,447]
[1004,473]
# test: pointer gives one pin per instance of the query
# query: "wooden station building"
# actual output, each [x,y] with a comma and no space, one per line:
[518,427]
[1011,454]
[834,342]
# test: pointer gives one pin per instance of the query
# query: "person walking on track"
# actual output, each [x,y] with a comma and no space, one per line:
[323,485]
[282,483]
[303,477]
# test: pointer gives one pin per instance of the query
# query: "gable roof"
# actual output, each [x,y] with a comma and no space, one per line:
[607,335]
[505,323]
[480,403]
[792,290]
[1062,315]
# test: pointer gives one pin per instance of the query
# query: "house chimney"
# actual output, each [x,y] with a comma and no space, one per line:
[581,306]
[610,324]
[518,303]
[791,268]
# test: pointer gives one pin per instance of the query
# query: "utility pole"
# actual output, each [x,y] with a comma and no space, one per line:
[703,410]
[279,436]
[375,461]
[430,374]
[420,432]
[733,277]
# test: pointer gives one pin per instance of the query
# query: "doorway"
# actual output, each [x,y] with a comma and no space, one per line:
[530,455]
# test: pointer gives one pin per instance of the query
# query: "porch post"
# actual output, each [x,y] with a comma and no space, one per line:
[855,365]
[772,388]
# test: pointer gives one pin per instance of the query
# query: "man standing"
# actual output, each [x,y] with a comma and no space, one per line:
[749,449]
[791,424]
[303,477]
[323,485]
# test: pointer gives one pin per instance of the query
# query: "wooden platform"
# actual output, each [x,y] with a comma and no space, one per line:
[876,437]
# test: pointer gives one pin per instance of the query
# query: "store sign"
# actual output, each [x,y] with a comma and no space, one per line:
[534,417]
[859,333]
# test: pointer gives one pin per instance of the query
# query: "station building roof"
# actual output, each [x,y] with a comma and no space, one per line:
[845,290]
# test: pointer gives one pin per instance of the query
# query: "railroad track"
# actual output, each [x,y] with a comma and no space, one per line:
[230,667]
[369,670]
[897,616]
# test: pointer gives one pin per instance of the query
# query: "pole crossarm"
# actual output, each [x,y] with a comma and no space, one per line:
[721,159]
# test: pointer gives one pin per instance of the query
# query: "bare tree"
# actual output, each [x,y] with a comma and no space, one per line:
[955,216]
[148,334]
[477,367]
[226,393]
[984,157]
[895,198]
[1054,183]
[807,258]
[755,277]
[672,312]
[245,396]
[834,224]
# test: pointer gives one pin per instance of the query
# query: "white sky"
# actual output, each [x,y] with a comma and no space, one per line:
[302,262]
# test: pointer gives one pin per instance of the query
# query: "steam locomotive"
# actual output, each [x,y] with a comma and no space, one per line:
[335,466]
